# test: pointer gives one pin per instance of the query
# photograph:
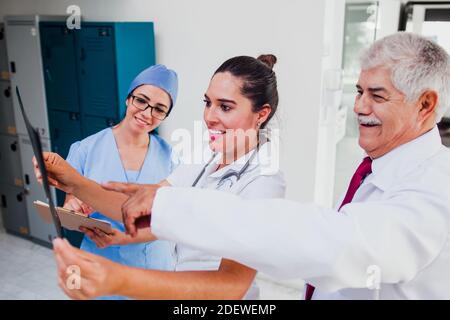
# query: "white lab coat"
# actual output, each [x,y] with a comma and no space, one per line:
[399,222]
[260,180]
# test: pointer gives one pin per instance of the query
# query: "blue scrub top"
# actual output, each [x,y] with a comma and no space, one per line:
[97,158]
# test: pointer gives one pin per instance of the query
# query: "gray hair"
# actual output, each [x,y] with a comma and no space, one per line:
[416,64]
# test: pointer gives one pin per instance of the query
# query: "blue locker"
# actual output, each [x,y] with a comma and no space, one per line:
[65,128]
[135,51]
[92,124]
[97,71]
[102,58]
[60,68]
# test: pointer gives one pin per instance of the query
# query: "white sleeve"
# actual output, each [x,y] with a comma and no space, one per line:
[286,239]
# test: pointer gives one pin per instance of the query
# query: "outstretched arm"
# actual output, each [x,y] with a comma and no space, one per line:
[63,176]
[100,277]
[287,239]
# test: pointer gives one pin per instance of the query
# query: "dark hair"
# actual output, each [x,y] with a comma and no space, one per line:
[259,80]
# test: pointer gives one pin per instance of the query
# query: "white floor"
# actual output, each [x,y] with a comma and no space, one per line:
[28,271]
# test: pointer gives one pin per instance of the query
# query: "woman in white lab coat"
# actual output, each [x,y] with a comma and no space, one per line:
[241,99]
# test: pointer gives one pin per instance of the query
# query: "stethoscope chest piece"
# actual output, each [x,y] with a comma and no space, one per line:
[228,179]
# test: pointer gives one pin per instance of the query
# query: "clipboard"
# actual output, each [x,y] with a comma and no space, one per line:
[37,150]
[72,220]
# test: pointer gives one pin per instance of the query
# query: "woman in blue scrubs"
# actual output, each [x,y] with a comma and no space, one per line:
[241,99]
[129,152]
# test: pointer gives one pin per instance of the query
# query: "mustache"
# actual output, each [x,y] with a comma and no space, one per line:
[366,120]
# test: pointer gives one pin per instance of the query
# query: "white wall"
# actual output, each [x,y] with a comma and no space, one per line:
[388,17]
[194,37]
[333,38]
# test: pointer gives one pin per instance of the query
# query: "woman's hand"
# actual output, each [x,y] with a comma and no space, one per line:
[60,173]
[82,275]
[75,204]
[103,240]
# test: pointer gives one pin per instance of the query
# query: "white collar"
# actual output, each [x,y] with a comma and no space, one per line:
[263,159]
[404,159]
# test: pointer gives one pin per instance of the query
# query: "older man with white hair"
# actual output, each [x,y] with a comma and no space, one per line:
[392,225]
[387,238]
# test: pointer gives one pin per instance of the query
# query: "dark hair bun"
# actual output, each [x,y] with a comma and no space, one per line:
[268,59]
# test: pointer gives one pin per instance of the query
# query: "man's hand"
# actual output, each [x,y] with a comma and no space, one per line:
[138,206]
[60,173]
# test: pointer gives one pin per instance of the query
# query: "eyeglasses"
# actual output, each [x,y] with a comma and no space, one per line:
[142,105]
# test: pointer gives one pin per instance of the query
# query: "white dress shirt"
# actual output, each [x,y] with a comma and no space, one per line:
[398,223]
[258,181]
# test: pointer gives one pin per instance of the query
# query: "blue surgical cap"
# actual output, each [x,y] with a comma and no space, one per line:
[158,76]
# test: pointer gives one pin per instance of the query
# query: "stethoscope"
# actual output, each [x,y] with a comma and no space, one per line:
[230,173]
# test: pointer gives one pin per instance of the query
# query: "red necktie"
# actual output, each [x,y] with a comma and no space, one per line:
[364,169]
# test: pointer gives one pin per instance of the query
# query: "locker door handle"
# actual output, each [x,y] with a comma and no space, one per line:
[19,197]
[7,92]
[27,179]
[13,67]
[48,52]
[13,146]
[103,32]
[49,76]
[83,54]
[4,204]
[74,116]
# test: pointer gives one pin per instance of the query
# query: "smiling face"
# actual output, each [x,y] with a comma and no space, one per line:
[142,121]
[229,117]
[386,119]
